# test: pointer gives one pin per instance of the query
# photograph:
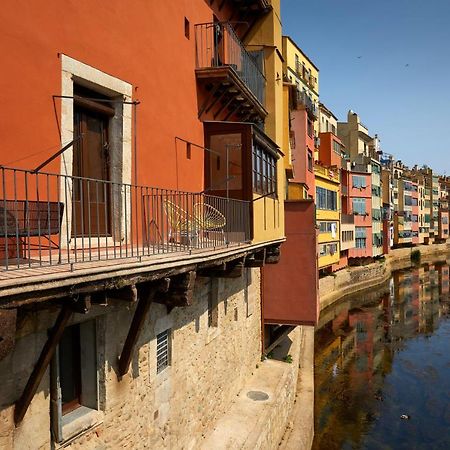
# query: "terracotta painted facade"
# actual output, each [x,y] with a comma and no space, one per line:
[291,286]
[360,193]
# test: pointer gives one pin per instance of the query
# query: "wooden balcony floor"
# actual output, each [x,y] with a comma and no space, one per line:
[29,276]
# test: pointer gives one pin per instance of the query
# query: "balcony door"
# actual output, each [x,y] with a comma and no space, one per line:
[91,161]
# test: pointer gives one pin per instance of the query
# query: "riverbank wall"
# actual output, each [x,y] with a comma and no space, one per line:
[358,278]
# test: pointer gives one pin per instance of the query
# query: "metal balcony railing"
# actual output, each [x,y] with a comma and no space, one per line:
[217,45]
[51,219]
[302,98]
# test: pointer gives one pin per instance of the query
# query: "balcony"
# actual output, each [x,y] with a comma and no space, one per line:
[302,99]
[233,81]
[56,226]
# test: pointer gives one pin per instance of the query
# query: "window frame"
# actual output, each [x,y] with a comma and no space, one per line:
[69,422]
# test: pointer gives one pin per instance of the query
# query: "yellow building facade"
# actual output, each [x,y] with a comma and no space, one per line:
[268,211]
[328,212]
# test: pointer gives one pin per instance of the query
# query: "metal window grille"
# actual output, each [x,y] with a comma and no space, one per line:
[162,351]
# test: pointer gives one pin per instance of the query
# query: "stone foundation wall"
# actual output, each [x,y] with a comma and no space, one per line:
[172,409]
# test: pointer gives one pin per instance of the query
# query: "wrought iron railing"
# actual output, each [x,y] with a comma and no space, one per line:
[217,45]
[304,99]
[53,219]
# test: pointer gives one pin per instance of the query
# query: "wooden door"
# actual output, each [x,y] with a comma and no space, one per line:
[91,162]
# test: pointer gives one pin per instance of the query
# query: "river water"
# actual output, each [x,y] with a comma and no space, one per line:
[382,366]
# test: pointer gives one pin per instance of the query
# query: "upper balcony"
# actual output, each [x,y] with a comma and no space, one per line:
[231,76]
[59,232]
[302,99]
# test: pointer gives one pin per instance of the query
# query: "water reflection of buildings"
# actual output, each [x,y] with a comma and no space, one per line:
[356,346]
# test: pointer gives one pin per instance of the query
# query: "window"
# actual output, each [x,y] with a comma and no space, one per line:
[187,31]
[336,147]
[376,215]
[73,381]
[310,161]
[327,227]
[358,181]
[328,249]
[347,236]
[162,351]
[360,237]
[377,239]
[360,242]
[264,171]
[310,129]
[359,206]
[326,199]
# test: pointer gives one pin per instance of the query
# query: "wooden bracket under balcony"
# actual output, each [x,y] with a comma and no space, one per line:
[180,291]
[81,304]
[231,269]
[256,259]
[126,294]
[228,95]
[42,363]
[273,254]
[146,293]
[8,319]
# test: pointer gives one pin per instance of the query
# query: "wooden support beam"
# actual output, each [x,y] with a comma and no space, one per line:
[126,294]
[180,293]
[81,304]
[233,111]
[224,105]
[231,269]
[256,259]
[273,255]
[8,319]
[219,97]
[213,92]
[279,335]
[146,293]
[45,357]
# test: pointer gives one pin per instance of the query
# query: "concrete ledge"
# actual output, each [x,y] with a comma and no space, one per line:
[252,424]
[300,431]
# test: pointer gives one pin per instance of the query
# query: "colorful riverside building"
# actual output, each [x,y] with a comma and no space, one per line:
[328,211]
[291,287]
[301,76]
[142,203]
[406,215]
[423,178]
[363,152]
[331,152]
[357,203]
[387,187]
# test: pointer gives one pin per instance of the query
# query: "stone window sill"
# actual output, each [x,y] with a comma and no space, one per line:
[78,421]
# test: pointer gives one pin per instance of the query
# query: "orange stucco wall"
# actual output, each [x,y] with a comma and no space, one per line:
[327,155]
[141,42]
[291,286]
[303,143]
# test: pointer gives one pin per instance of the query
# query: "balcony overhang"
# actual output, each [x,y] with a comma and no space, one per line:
[25,286]
[228,95]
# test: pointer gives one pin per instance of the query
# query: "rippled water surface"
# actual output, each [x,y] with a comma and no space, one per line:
[382,366]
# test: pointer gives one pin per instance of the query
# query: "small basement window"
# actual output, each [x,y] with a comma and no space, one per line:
[162,351]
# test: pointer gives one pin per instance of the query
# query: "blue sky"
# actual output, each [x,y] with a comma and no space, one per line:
[389,61]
